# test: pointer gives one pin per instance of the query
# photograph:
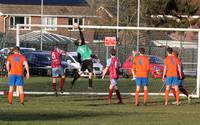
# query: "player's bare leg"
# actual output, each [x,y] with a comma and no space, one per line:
[90,81]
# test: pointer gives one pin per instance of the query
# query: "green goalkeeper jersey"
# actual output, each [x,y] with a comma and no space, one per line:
[84,51]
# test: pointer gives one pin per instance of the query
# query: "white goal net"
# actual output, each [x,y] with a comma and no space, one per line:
[154,40]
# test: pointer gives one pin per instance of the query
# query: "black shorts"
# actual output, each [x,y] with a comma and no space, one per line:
[87,64]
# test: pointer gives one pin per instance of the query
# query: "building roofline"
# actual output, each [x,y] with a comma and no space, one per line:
[1,14]
[49,3]
[103,8]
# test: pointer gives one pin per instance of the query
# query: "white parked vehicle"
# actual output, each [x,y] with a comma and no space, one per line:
[22,50]
[74,65]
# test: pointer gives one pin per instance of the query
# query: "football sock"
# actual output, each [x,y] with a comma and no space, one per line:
[145,95]
[62,81]
[136,97]
[10,95]
[184,91]
[21,98]
[118,95]
[166,95]
[54,86]
[177,96]
[76,76]
[90,82]
[110,94]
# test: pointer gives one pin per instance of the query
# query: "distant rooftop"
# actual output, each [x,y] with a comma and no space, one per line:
[46,2]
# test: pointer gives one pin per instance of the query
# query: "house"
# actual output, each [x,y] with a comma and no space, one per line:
[53,12]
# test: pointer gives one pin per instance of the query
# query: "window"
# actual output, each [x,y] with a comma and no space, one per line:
[50,21]
[72,21]
[14,20]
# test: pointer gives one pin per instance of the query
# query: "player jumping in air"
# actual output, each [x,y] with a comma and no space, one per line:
[141,69]
[15,68]
[172,72]
[84,55]
[57,69]
[113,67]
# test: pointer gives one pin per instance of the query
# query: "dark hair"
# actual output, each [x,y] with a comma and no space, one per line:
[16,49]
[142,50]
[169,50]
[113,52]
[175,53]
[76,42]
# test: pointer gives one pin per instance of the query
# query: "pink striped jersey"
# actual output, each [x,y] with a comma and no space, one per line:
[56,58]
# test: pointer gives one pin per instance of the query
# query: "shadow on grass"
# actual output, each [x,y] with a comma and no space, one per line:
[49,116]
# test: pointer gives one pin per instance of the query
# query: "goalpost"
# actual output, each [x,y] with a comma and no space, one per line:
[127,33]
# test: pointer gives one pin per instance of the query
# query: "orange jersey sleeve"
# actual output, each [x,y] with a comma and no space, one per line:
[16,64]
[141,66]
[171,64]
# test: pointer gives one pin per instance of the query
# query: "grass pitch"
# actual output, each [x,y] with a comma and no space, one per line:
[94,110]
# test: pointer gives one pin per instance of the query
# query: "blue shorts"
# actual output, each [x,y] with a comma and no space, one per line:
[180,83]
[56,72]
[141,82]
[15,80]
[172,81]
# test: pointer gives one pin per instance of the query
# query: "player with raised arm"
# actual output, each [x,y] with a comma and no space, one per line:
[14,66]
[172,72]
[84,55]
[57,69]
[135,53]
[141,69]
[113,65]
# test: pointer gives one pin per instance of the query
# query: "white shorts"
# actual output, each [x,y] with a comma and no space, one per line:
[113,82]
[56,72]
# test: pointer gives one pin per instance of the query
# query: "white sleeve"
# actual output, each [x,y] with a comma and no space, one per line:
[108,62]
[116,64]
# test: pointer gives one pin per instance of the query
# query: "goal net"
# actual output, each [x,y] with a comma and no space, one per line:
[41,39]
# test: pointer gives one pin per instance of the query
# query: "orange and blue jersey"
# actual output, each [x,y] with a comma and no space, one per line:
[141,66]
[16,62]
[171,63]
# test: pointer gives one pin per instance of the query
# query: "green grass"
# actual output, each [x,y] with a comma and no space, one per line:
[125,85]
[94,110]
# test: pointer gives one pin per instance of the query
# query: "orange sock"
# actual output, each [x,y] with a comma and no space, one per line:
[145,95]
[21,98]
[136,97]
[177,96]
[10,95]
[166,95]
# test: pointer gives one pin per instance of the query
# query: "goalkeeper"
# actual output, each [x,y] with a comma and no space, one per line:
[85,58]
